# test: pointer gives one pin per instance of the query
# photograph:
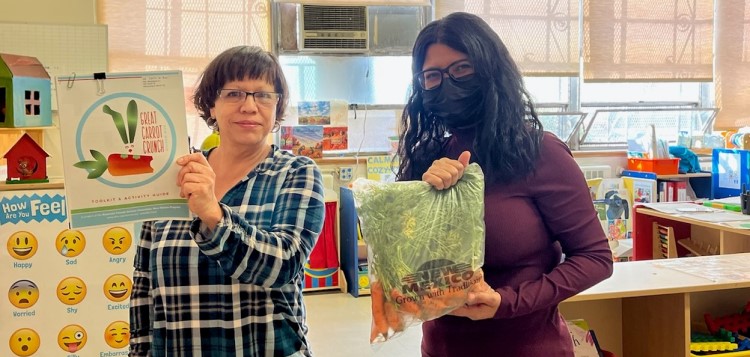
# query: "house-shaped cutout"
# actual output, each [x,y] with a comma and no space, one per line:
[25,92]
[27,161]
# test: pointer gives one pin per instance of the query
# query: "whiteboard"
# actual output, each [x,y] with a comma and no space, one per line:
[62,49]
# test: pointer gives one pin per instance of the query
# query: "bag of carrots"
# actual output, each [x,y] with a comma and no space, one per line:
[425,248]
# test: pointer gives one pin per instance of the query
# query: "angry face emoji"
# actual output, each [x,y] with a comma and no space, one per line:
[117,240]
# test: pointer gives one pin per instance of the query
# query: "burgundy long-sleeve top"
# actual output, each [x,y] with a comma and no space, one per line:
[530,223]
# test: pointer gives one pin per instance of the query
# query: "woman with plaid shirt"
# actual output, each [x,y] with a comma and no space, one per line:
[229,282]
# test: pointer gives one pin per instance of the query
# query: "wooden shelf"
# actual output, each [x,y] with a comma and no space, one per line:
[54,184]
[645,310]
[697,249]
[30,128]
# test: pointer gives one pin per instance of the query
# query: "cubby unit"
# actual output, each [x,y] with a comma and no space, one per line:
[647,310]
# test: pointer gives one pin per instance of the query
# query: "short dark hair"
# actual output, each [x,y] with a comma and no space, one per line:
[509,132]
[236,64]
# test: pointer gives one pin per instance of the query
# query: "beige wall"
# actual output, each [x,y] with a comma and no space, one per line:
[72,12]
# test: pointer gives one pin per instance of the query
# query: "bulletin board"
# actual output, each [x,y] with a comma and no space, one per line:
[62,49]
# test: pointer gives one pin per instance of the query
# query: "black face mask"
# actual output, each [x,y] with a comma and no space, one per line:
[456,104]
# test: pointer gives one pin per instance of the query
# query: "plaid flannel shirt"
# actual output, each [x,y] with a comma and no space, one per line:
[236,290]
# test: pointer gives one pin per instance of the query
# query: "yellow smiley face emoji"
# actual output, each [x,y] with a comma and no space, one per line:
[117,240]
[71,290]
[71,338]
[24,342]
[22,245]
[70,243]
[117,334]
[117,287]
[23,294]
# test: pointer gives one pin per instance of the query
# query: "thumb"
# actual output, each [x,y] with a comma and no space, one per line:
[464,158]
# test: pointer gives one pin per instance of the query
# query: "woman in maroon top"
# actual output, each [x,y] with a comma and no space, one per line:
[469,104]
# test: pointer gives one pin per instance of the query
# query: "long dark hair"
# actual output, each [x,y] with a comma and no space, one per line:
[236,64]
[508,135]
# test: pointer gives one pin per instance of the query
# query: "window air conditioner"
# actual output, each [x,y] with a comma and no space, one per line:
[308,29]
[335,29]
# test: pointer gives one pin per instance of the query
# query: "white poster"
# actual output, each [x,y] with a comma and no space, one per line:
[120,137]
[68,290]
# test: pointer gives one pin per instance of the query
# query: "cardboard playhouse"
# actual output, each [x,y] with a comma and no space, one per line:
[27,162]
[25,92]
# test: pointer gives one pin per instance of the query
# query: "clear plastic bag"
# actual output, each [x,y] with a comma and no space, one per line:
[426,248]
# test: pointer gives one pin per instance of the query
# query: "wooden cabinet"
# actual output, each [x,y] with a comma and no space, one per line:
[647,310]
[692,236]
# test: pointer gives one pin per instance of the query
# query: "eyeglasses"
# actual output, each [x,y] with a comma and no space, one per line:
[432,78]
[235,96]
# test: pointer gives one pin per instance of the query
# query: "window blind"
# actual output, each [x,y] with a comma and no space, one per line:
[541,35]
[732,64]
[646,40]
[359,2]
[152,35]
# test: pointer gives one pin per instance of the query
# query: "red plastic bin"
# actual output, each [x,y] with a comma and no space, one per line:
[658,166]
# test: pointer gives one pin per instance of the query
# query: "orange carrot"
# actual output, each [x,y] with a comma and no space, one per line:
[405,304]
[380,323]
[394,320]
[123,164]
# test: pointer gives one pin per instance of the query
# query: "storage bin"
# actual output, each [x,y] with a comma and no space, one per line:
[658,166]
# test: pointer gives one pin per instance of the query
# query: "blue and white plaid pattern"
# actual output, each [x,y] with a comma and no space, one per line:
[236,291]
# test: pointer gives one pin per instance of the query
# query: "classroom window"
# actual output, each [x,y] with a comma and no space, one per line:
[618,111]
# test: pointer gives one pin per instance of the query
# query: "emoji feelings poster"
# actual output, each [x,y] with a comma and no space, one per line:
[68,290]
[121,135]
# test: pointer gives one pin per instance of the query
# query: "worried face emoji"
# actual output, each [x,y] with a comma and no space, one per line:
[117,334]
[70,243]
[22,245]
[24,342]
[23,294]
[117,240]
[71,290]
[117,287]
[71,338]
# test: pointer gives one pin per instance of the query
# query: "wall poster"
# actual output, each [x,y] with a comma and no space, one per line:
[120,135]
[68,290]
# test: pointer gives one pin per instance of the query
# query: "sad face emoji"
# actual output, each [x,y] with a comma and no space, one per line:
[70,243]
[71,338]
[22,245]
